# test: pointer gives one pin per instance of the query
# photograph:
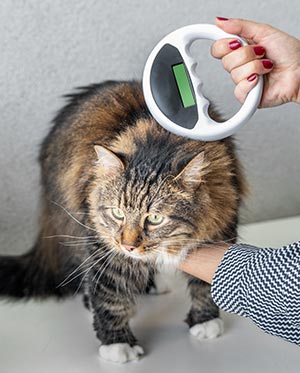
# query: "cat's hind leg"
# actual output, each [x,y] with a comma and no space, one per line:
[203,318]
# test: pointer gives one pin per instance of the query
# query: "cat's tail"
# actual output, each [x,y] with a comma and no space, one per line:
[32,275]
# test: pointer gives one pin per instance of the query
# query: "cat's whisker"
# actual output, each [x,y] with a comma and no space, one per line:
[75,244]
[102,269]
[168,251]
[63,283]
[199,241]
[82,213]
[110,259]
[108,253]
[86,273]
[182,243]
[69,236]
[82,241]
[176,244]
[73,217]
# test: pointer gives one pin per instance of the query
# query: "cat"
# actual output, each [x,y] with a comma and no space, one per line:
[122,197]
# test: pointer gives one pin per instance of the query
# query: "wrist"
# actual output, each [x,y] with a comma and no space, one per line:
[204,261]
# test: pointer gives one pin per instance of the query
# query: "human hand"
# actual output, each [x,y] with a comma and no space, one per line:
[271,53]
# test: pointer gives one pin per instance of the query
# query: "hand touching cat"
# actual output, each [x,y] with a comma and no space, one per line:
[271,53]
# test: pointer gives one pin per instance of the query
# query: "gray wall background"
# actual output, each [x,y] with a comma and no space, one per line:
[50,46]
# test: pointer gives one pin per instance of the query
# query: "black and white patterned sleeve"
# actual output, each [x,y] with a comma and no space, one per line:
[262,284]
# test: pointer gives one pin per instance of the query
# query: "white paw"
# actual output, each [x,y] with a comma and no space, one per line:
[120,352]
[208,329]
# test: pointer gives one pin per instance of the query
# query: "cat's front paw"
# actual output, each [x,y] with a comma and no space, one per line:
[120,352]
[208,329]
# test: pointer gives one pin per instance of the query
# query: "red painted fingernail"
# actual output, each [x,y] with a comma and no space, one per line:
[222,19]
[259,51]
[251,77]
[235,44]
[267,64]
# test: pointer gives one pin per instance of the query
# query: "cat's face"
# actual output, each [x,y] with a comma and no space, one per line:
[147,216]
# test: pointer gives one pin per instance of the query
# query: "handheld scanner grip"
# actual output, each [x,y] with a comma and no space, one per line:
[188,118]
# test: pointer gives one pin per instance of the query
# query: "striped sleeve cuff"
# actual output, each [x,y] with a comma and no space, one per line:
[228,288]
[263,285]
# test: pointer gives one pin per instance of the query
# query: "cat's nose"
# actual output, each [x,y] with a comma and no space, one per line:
[128,247]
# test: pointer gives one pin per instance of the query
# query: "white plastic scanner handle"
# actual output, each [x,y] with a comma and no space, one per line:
[206,128]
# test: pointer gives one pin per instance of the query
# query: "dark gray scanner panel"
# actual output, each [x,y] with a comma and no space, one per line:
[165,90]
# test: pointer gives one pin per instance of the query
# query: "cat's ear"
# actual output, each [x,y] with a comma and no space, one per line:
[109,161]
[193,173]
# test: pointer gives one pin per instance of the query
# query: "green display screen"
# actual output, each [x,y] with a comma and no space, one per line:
[183,85]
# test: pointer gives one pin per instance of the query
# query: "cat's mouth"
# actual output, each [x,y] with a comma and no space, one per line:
[144,252]
[136,252]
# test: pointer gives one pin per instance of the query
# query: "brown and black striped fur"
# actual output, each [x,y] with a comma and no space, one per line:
[138,167]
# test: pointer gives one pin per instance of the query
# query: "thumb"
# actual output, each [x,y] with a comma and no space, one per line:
[244,28]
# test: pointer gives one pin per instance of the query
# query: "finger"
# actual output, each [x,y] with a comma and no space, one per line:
[259,67]
[222,47]
[242,56]
[244,87]
[247,29]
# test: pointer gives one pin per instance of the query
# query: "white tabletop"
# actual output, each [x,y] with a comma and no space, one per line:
[58,337]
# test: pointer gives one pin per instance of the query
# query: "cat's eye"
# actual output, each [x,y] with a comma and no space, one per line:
[117,213]
[154,219]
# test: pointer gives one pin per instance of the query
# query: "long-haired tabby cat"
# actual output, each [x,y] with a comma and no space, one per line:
[121,196]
